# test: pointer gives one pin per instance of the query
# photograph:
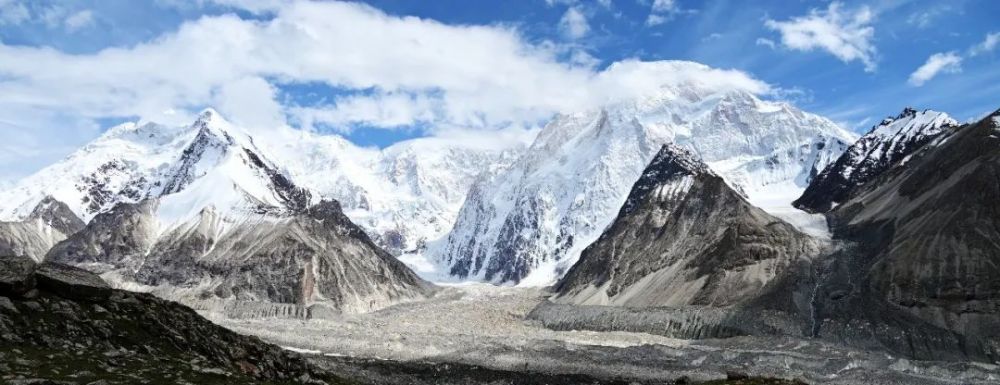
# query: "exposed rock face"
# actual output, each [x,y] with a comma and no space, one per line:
[50,222]
[926,235]
[886,144]
[317,257]
[684,237]
[119,337]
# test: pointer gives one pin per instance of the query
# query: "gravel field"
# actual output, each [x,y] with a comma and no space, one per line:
[483,325]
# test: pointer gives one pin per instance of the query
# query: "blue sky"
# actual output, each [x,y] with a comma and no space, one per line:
[390,70]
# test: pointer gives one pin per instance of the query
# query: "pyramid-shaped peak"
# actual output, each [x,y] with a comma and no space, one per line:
[56,214]
[676,159]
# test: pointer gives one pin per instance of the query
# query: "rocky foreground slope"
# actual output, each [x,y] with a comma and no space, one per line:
[63,325]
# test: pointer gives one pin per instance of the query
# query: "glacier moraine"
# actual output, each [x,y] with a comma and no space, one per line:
[486,326]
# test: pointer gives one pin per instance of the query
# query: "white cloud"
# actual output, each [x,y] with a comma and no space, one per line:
[654,20]
[937,63]
[605,3]
[13,12]
[664,6]
[411,71]
[249,101]
[766,42]
[845,34]
[553,3]
[926,16]
[574,23]
[662,11]
[988,44]
[380,110]
[79,20]
[252,6]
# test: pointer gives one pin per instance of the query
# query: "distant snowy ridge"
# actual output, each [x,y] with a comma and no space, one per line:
[402,196]
[529,223]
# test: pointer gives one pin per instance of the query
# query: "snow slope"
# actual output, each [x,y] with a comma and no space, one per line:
[403,195]
[529,223]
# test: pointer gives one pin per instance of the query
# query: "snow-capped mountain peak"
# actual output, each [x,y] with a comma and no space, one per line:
[222,167]
[132,162]
[887,143]
[528,224]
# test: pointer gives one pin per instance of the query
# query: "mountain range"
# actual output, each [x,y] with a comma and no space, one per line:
[676,207]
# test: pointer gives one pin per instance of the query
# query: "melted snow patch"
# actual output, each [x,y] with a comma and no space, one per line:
[674,189]
[301,351]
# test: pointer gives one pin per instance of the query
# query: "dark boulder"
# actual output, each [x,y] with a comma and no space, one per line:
[17,275]
[71,282]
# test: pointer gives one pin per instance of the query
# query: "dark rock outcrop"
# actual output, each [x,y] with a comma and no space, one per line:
[119,337]
[57,215]
[71,282]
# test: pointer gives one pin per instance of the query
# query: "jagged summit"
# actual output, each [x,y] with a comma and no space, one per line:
[672,165]
[887,143]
